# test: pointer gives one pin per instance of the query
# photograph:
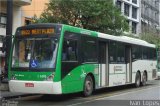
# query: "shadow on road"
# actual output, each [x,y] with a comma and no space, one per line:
[67,97]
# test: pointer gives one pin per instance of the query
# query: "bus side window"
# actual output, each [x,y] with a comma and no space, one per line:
[120,53]
[69,52]
[136,53]
[144,53]
[89,49]
[112,52]
[116,52]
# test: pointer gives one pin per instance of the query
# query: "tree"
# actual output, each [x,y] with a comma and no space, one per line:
[97,15]
[151,38]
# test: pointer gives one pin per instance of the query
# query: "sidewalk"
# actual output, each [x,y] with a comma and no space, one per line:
[5,93]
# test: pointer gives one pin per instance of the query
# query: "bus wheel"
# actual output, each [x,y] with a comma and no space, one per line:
[137,80]
[144,78]
[88,86]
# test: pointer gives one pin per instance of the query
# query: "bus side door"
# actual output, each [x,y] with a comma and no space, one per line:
[70,63]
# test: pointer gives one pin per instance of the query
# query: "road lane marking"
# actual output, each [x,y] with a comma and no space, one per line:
[80,103]
[128,93]
[116,92]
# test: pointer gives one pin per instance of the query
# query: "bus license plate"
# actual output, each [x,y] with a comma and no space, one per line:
[29,85]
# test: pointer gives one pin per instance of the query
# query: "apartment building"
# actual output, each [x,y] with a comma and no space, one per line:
[17,14]
[150,12]
[143,15]
[36,8]
[132,11]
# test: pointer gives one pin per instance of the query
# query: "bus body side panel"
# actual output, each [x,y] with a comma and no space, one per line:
[74,81]
[143,65]
[30,76]
[117,74]
[57,76]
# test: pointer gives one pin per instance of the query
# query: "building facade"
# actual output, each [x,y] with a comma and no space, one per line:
[150,12]
[29,11]
[143,15]
[132,11]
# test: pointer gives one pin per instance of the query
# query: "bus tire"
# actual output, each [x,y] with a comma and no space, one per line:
[88,86]
[144,78]
[138,80]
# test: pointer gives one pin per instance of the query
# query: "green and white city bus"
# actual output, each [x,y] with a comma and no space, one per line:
[61,59]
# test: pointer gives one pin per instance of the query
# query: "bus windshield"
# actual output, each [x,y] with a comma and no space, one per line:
[35,53]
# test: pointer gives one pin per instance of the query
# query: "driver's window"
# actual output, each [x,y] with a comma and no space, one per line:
[70,49]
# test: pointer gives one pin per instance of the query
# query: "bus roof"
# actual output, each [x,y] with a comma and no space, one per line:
[126,39]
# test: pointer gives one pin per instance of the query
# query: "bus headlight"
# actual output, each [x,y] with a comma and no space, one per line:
[50,78]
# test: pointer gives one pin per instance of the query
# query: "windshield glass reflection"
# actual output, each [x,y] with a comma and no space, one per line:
[35,53]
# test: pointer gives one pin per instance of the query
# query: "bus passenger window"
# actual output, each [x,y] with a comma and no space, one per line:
[145,53]
[69,52]
[136,53]
[112,52]
[116,53]
[89,49]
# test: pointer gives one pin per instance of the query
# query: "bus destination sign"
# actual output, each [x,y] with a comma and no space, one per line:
[37,31]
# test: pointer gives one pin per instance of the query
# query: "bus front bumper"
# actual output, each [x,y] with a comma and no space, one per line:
[39,87]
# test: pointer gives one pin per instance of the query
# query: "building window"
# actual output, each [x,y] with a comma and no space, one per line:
[134,1]
[126,9]
[3,20]
[118,3]
[134,27]
[134,12]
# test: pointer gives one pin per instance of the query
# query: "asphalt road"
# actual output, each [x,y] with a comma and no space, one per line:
[148,95]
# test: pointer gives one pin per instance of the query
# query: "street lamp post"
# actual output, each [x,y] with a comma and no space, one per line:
[9,17]
[8,33]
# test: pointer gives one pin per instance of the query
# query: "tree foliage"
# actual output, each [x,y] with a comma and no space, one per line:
[151,38]
[97,15]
